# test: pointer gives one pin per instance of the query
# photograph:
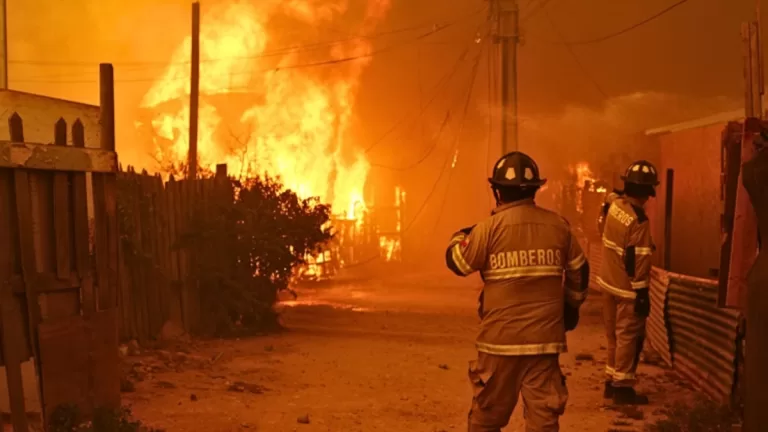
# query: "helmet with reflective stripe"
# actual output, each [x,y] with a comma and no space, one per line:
[516,169]
[641,173]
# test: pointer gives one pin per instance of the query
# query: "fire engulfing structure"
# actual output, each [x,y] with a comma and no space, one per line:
[264,110]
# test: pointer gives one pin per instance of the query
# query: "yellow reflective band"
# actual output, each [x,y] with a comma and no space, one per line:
[579,296]
[618,292]
[516,350]
[577,262]
[519,272]
[643,251]
[609,371]
[458,238]
[640,285]
[620,376]
[613,246]
[458,259]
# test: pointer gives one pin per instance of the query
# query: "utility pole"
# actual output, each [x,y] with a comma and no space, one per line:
[194,92]
[3,45]
[506,19]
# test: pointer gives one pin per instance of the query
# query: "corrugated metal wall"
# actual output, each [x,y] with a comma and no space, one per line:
[700,340]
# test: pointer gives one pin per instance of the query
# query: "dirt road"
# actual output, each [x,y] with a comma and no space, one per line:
[368,356]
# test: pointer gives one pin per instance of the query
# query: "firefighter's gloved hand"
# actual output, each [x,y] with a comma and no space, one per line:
[642,303]
[480,302]
[571,317]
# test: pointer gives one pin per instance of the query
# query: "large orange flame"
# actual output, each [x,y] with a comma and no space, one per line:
[296,122]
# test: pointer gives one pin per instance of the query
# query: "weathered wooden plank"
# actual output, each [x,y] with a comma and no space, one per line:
[160,255]
[184,268]
[113,235]
[27,254]
[140,278]
[172,191]
[104,359]
[82,238]
[101,242]
[147,224]
[65,365]
[46,283]
[61,208]
[13,337]
[54,158]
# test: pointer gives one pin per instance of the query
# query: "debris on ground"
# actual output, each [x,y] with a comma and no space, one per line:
[304,419]
[443,366]
[584,357]
[240,387]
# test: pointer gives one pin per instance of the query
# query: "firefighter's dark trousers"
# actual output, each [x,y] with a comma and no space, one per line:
[626,333]
[497,382]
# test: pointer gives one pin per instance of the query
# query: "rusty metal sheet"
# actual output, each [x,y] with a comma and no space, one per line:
[65,364]
[706,339]
[57,158]
[657,327]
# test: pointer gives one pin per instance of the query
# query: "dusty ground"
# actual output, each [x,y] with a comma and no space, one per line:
[365,356]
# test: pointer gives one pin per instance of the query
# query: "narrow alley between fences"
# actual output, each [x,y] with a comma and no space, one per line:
[365,355]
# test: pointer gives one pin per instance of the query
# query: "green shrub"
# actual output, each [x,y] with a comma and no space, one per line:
[246,249]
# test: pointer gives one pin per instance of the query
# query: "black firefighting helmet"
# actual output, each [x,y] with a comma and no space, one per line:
[516,169]
[641,173]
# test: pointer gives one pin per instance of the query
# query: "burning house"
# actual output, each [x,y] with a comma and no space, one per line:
[287,122]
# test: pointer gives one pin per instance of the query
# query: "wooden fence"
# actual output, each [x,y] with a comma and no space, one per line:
[57,301]
[155,286]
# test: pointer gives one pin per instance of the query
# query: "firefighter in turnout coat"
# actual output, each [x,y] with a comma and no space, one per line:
[535,277]
[624,277]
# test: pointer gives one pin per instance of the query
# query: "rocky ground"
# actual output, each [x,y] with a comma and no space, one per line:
[363,356]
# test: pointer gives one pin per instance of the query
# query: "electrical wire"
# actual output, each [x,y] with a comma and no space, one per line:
[422,111]
[626,29]
[274,52]
[442,171]
[441,84]
[457,145]
[575,57]
[287,67]
[490,118]
[447,164]
[535,9]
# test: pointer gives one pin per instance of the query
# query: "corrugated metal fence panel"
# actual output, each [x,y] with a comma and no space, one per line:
[657,328]
[705,339]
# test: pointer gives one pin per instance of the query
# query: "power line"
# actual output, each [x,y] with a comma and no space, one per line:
[447,165]
[627,29]
[458,136]
[276,51]
[286,67]
[535,9]
[431,148]
[578,62]
[437,91]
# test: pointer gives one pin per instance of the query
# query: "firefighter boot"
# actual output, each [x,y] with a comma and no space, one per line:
[608,391]
[628,396]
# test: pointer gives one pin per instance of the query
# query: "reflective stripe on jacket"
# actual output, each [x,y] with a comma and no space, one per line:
[627,250]
[531,266]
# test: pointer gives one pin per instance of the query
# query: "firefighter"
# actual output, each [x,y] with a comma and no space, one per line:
[609,199]
[522,253]
[624,278]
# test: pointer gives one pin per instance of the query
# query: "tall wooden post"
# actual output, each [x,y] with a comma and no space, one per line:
[668,200]
[3,45]
[744,237]
[194,92]
[107,105]
[506,14]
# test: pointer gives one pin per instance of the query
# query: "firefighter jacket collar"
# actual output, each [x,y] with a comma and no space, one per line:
[506,206]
